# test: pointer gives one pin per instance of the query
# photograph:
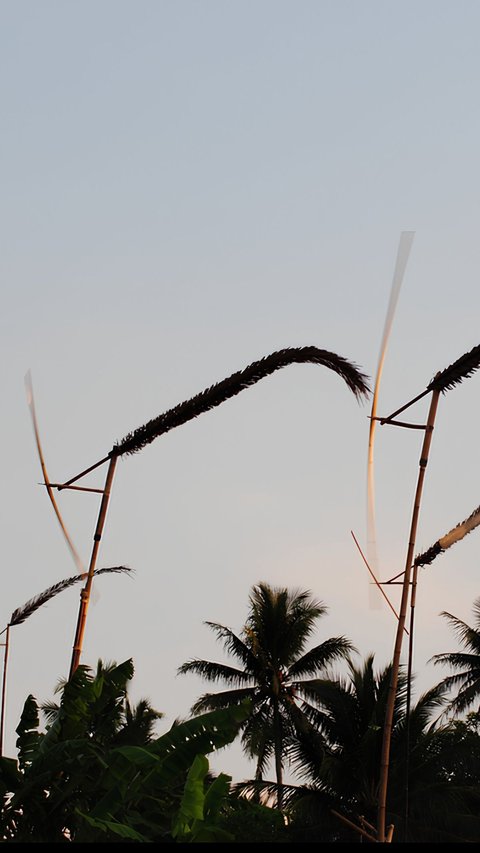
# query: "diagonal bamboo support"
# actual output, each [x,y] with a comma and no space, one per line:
[375,579]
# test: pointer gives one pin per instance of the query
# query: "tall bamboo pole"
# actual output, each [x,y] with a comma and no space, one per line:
[390,706]
[4,686]
[85,593]
[413,598]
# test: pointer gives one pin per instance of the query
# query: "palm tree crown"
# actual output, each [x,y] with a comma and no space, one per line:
[467,664]
[276,671]
[433,788]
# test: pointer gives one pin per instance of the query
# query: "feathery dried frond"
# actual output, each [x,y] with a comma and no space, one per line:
[114,570]
[232,385]
[454,535]
[429,555]
[461,369]
[22,613]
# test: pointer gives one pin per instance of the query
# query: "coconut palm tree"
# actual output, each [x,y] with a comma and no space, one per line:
[432,794]
[349,715]
[467,663]
[275,673]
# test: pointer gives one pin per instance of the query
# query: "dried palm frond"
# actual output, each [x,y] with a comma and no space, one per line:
[22,613]
[454,535]
[216,394]
[443,381]
[461,369]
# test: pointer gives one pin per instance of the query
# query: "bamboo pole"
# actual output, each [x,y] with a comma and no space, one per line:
[85,593]
[389,835]
[413,598]
[390,706]
[349,823]
[206,400]
[4,686]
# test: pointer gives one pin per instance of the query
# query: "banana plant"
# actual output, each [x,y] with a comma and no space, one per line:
[83,780]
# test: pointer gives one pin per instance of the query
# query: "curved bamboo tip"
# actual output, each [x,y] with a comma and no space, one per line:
[28,385]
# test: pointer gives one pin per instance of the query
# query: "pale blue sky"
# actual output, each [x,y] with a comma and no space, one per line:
[187,187]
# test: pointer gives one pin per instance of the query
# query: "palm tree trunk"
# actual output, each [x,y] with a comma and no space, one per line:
[278,755]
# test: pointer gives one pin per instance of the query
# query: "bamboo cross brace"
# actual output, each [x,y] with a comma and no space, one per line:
[362,832]
[61,486]
[413,598]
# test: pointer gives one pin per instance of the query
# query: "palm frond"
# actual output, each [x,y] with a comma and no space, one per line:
[420,716]
[467,635]
[428,556]
[459,661]
[234,645]
[454,535]
[114,570]
[455,373]
[466,679]
[468,685]
[239,381]
[211,671]
[280,621]
[318,658]
[22,613]
[225,699]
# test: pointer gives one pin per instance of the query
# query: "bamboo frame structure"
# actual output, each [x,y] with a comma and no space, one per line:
[206,400]
[443,381]
[413,599]
[392,691]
